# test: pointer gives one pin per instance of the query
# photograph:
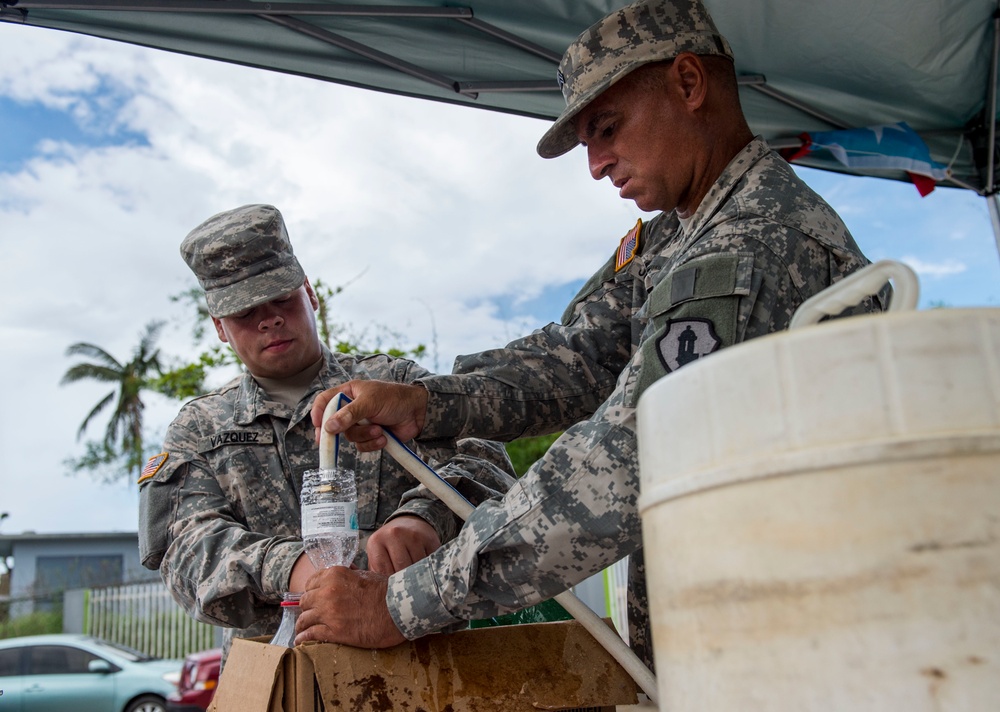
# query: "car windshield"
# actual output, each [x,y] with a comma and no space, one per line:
[123,651]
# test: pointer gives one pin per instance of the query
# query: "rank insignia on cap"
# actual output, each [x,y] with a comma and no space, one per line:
[153,466]
[686,340]
[628,247]
[560,78]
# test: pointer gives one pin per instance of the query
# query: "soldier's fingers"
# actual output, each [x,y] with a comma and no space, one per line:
[323,400]
[401,557]
[308,619]
[379,558]
[368,439]
[341,420]
[320,633]
[319,407]
[398,557]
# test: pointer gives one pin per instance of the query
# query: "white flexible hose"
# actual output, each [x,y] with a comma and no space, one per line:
[328,446]
[458,504]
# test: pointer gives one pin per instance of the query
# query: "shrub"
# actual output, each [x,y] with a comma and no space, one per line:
[524,451]
[39,623]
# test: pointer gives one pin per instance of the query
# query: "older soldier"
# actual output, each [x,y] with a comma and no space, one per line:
[219,509]
[652,94]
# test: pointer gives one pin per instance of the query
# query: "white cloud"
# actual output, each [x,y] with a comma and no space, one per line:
[945,268]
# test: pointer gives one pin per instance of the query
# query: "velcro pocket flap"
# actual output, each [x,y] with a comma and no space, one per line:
[703,278]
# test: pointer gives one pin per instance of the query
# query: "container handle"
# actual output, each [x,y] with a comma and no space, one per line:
[852,289]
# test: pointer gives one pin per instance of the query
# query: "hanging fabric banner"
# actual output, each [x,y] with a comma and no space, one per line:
[890,146]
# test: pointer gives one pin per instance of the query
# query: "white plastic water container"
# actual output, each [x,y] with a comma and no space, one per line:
[821,519]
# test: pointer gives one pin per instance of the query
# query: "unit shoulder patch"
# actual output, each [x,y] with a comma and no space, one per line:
[686,340]
[153,466]
[628,247]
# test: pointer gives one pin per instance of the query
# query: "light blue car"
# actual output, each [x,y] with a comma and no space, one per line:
[56,673]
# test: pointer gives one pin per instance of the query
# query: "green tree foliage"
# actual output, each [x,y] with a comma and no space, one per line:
[524,451]
[370,341]
[187,380]
[122,444]
[194,299]
[181,379]
[325,295]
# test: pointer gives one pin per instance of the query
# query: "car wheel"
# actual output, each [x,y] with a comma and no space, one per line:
[147,703]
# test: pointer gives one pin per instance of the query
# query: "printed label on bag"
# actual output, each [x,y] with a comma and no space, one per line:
[329,517]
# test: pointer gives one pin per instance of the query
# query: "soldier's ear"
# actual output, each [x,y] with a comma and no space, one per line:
[691,79]
[313,300]
[219,330]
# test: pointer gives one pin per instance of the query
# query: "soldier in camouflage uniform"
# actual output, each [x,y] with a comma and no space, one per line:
[219,509]
[651,92]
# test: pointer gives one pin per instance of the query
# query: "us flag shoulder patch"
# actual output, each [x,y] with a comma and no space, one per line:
[153,466]
[628,247]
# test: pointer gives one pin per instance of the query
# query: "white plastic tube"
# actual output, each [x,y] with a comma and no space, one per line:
[458,504]
[328,446]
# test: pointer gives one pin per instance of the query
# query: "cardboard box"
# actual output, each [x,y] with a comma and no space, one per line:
[521,668]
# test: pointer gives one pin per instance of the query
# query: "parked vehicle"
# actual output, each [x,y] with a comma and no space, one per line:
[199,678]
[54,673]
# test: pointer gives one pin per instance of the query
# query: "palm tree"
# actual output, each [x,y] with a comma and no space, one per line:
[123,435]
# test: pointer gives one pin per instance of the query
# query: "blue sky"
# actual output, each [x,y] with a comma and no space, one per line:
[442,220]
[32,123]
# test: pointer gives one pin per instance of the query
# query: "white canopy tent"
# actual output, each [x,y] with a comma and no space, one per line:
[804,67]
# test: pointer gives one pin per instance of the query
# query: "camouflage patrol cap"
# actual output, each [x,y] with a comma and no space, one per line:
[242,258]
[643,32]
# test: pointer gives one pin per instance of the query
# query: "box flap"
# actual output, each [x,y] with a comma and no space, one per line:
[253,678]
[300,686]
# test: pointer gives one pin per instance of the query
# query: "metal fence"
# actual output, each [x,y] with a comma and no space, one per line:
[144,617]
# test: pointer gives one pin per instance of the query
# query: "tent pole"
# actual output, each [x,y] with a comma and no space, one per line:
[991,95]
[993,201]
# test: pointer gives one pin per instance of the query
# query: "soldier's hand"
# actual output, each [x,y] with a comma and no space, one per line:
[342,605]
[399,543]
[402,408]
[302,571]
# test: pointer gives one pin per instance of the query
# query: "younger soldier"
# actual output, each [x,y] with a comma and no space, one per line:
[219,509]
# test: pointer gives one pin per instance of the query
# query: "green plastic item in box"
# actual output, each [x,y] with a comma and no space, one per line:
[542,613]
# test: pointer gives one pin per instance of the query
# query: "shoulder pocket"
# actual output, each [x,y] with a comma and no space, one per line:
[703,278]
[693,312]
[156,502]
